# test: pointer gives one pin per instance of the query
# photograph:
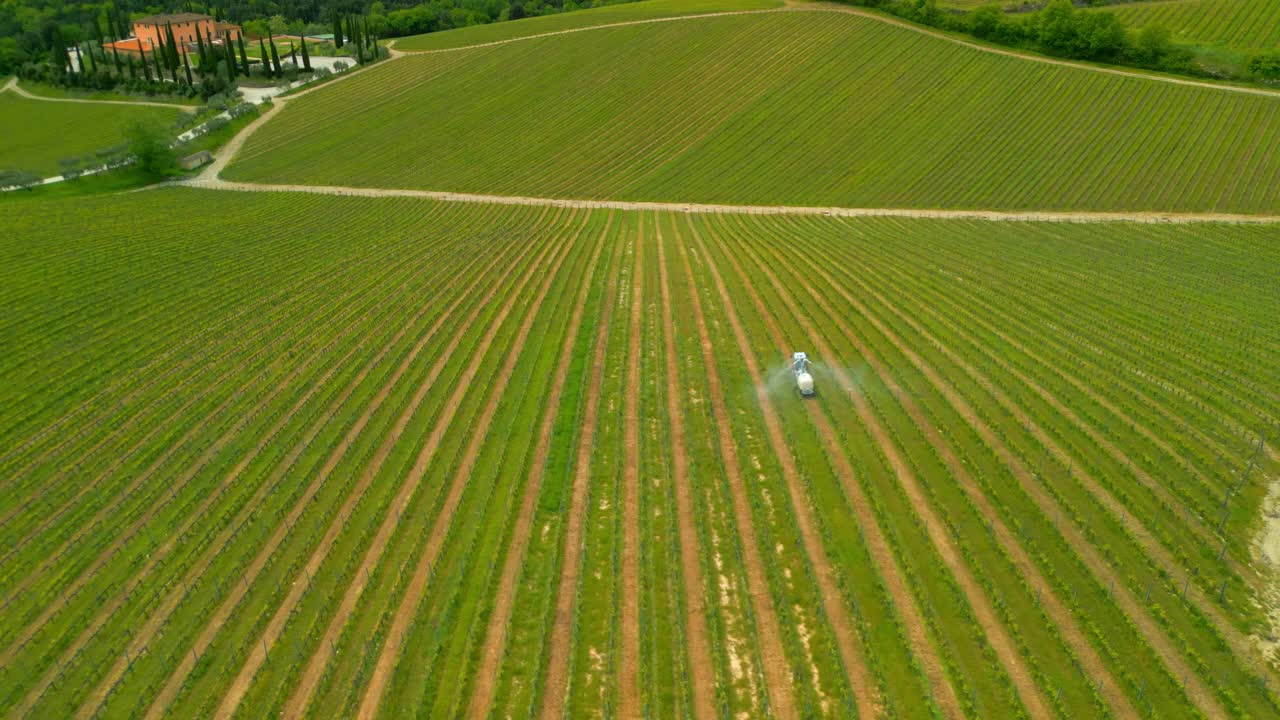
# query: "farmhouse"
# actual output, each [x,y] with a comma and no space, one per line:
[151,31]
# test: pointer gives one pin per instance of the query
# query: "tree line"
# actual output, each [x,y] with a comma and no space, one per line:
[1062,30]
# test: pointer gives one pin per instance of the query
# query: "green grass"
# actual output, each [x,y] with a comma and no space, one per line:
[604,15]
[38,134]
[786,108]
[198,464]
[1241,25]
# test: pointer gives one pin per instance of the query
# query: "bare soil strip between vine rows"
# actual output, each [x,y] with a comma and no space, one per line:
[156,556]
[393,643]
[158,617]
[1156,552]
[1028,690]
[629,703]
[1062,617]
[700,669]
[777,671]
[847,640]
[486,675]
[557,675]
[236,691]
[1204,699]
[166,697]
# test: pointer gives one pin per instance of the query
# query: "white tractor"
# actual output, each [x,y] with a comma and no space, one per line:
[800,366]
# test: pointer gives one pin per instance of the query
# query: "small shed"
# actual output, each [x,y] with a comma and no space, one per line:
[191,162]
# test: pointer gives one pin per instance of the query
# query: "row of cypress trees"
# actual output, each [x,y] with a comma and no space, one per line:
[354,30]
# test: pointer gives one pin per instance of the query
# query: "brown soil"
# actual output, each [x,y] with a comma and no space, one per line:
[159,615]
[557,677]
[847,639]
[700,669]
[486,675]
[440,527]
[629,704]
[235,693]
[1199,694]
[777,672]
[1028,690]
[174,684]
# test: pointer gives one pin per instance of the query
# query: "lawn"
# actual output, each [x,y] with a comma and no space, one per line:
[37,134]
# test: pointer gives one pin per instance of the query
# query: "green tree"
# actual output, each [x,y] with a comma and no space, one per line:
[228,53]
[262,55]
[1265,66]
[985,21]
[146,69]
[24,179]
[306,57]
[244,56]
[201,51]
[337,29]
[149,147]
[173,47]
[186,66]
[275,58]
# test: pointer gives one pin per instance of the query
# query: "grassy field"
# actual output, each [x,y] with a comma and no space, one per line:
[621,12]
[792,108]
[405,457]
[1245,25]
[37,134]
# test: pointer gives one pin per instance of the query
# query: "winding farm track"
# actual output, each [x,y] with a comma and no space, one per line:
[15,87]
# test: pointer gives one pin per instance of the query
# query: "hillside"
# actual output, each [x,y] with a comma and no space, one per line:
[560,22]
[337,469]
[805,108]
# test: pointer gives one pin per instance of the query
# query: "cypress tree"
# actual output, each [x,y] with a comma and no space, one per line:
[146,69]
[306,58]
[133,66]
[275,57]
[91,66]
[266,59]
[187,66]
[204,57]
[244,57]
[79,59]
[293,53]
[337,29]
[155,60]
[174,51]
[229,51]
[115,55]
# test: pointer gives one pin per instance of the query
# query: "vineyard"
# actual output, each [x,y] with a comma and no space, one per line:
[37,134]
[800,108]
[1238,24]
[534,460]
[561,22]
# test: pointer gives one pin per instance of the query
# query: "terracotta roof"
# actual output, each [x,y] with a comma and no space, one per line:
[174,18]
[130,44]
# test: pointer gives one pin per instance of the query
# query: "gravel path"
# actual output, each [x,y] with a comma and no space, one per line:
[14,86]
